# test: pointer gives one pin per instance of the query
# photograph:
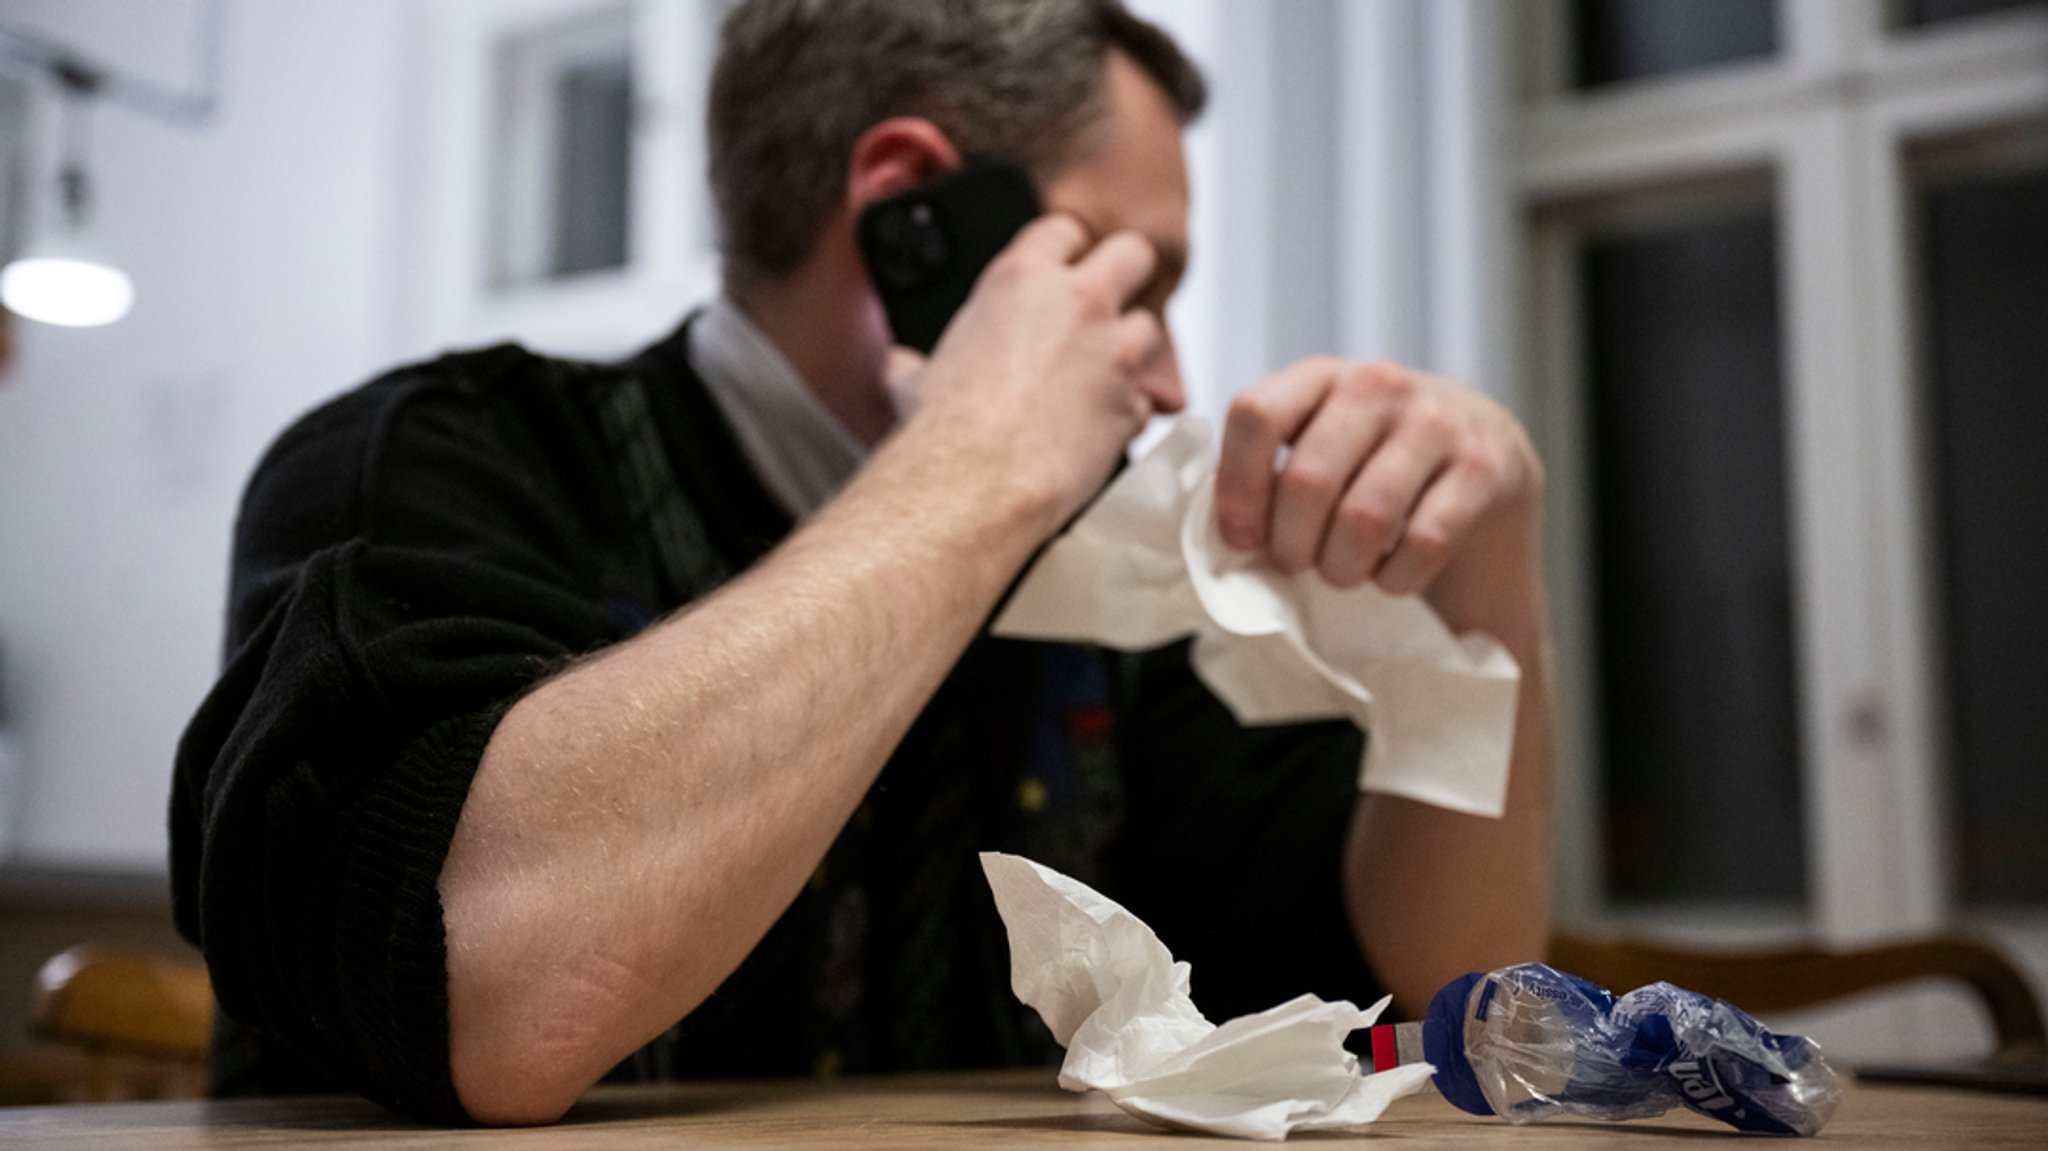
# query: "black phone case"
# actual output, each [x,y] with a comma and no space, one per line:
[926,247]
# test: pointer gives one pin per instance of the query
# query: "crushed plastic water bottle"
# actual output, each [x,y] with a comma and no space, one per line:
[1530,1043]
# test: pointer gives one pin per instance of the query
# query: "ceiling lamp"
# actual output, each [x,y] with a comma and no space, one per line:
[61,276]
[66,290]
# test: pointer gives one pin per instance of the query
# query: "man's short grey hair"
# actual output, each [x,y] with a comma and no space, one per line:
[798,81]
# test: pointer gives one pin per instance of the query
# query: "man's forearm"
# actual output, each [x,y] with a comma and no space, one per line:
[1435,893]
[637,824]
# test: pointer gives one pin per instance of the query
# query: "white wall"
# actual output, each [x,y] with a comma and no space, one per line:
[262,253]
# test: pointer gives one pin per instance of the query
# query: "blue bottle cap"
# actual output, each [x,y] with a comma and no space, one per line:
[1443,1044]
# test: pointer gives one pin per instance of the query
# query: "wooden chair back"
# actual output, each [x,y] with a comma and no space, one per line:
[141,1019]
[1792,978]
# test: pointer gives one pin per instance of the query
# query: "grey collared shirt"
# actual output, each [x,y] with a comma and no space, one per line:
[801,451]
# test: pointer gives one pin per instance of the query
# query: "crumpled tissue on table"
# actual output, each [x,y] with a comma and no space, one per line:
[1113,996]
[1145,565]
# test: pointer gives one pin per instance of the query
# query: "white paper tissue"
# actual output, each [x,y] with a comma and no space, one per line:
[1112,994]
[1145,566]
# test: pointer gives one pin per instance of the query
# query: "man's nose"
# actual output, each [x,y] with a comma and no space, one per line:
[1161,380]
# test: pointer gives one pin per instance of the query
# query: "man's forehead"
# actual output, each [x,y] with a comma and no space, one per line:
[1130,172]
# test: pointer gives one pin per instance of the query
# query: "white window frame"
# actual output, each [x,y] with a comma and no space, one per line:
[522,189]
[1833,117]
[671,248]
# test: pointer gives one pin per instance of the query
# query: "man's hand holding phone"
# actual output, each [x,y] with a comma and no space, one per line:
[1043,374]
[1040,365]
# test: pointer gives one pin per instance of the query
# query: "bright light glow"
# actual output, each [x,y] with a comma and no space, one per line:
[74,293]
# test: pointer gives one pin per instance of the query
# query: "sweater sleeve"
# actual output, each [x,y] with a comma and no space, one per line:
[407,563]
[1233,844]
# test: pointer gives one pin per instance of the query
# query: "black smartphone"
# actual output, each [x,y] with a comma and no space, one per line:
[926,247]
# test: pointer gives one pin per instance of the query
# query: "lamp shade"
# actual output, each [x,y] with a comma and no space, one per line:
[61,284]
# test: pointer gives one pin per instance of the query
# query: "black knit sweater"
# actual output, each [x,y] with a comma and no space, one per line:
[418,552]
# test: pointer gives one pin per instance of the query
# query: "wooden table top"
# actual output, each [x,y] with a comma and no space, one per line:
[1006,1109]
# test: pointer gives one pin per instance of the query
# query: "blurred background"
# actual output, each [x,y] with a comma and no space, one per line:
[1768,279]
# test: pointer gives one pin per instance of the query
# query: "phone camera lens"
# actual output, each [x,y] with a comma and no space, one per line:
[928,238]
[908,245]
[892,253]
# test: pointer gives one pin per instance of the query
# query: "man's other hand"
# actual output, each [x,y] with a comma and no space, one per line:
[1373,471]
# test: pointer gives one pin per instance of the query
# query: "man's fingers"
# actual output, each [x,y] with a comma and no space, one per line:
[1373,517]
[1057,237]
[1263,417]
[1445,513]
[1325,458]
[1139,337]
[1119,267]
[1381,471]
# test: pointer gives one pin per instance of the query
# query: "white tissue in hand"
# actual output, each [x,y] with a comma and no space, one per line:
[1145,565]
[1112,994]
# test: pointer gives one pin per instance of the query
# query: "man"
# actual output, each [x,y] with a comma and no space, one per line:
[474,814]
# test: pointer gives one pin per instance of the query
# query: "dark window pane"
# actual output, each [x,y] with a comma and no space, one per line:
[1914,13]
[1625,39]
[592,166]
[1986,259]
[1700,713]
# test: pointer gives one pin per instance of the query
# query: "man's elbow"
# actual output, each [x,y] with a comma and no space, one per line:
[527,1037]
[505,1083]
[521,1049]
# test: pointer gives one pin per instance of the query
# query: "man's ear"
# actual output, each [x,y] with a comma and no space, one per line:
[894,156]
